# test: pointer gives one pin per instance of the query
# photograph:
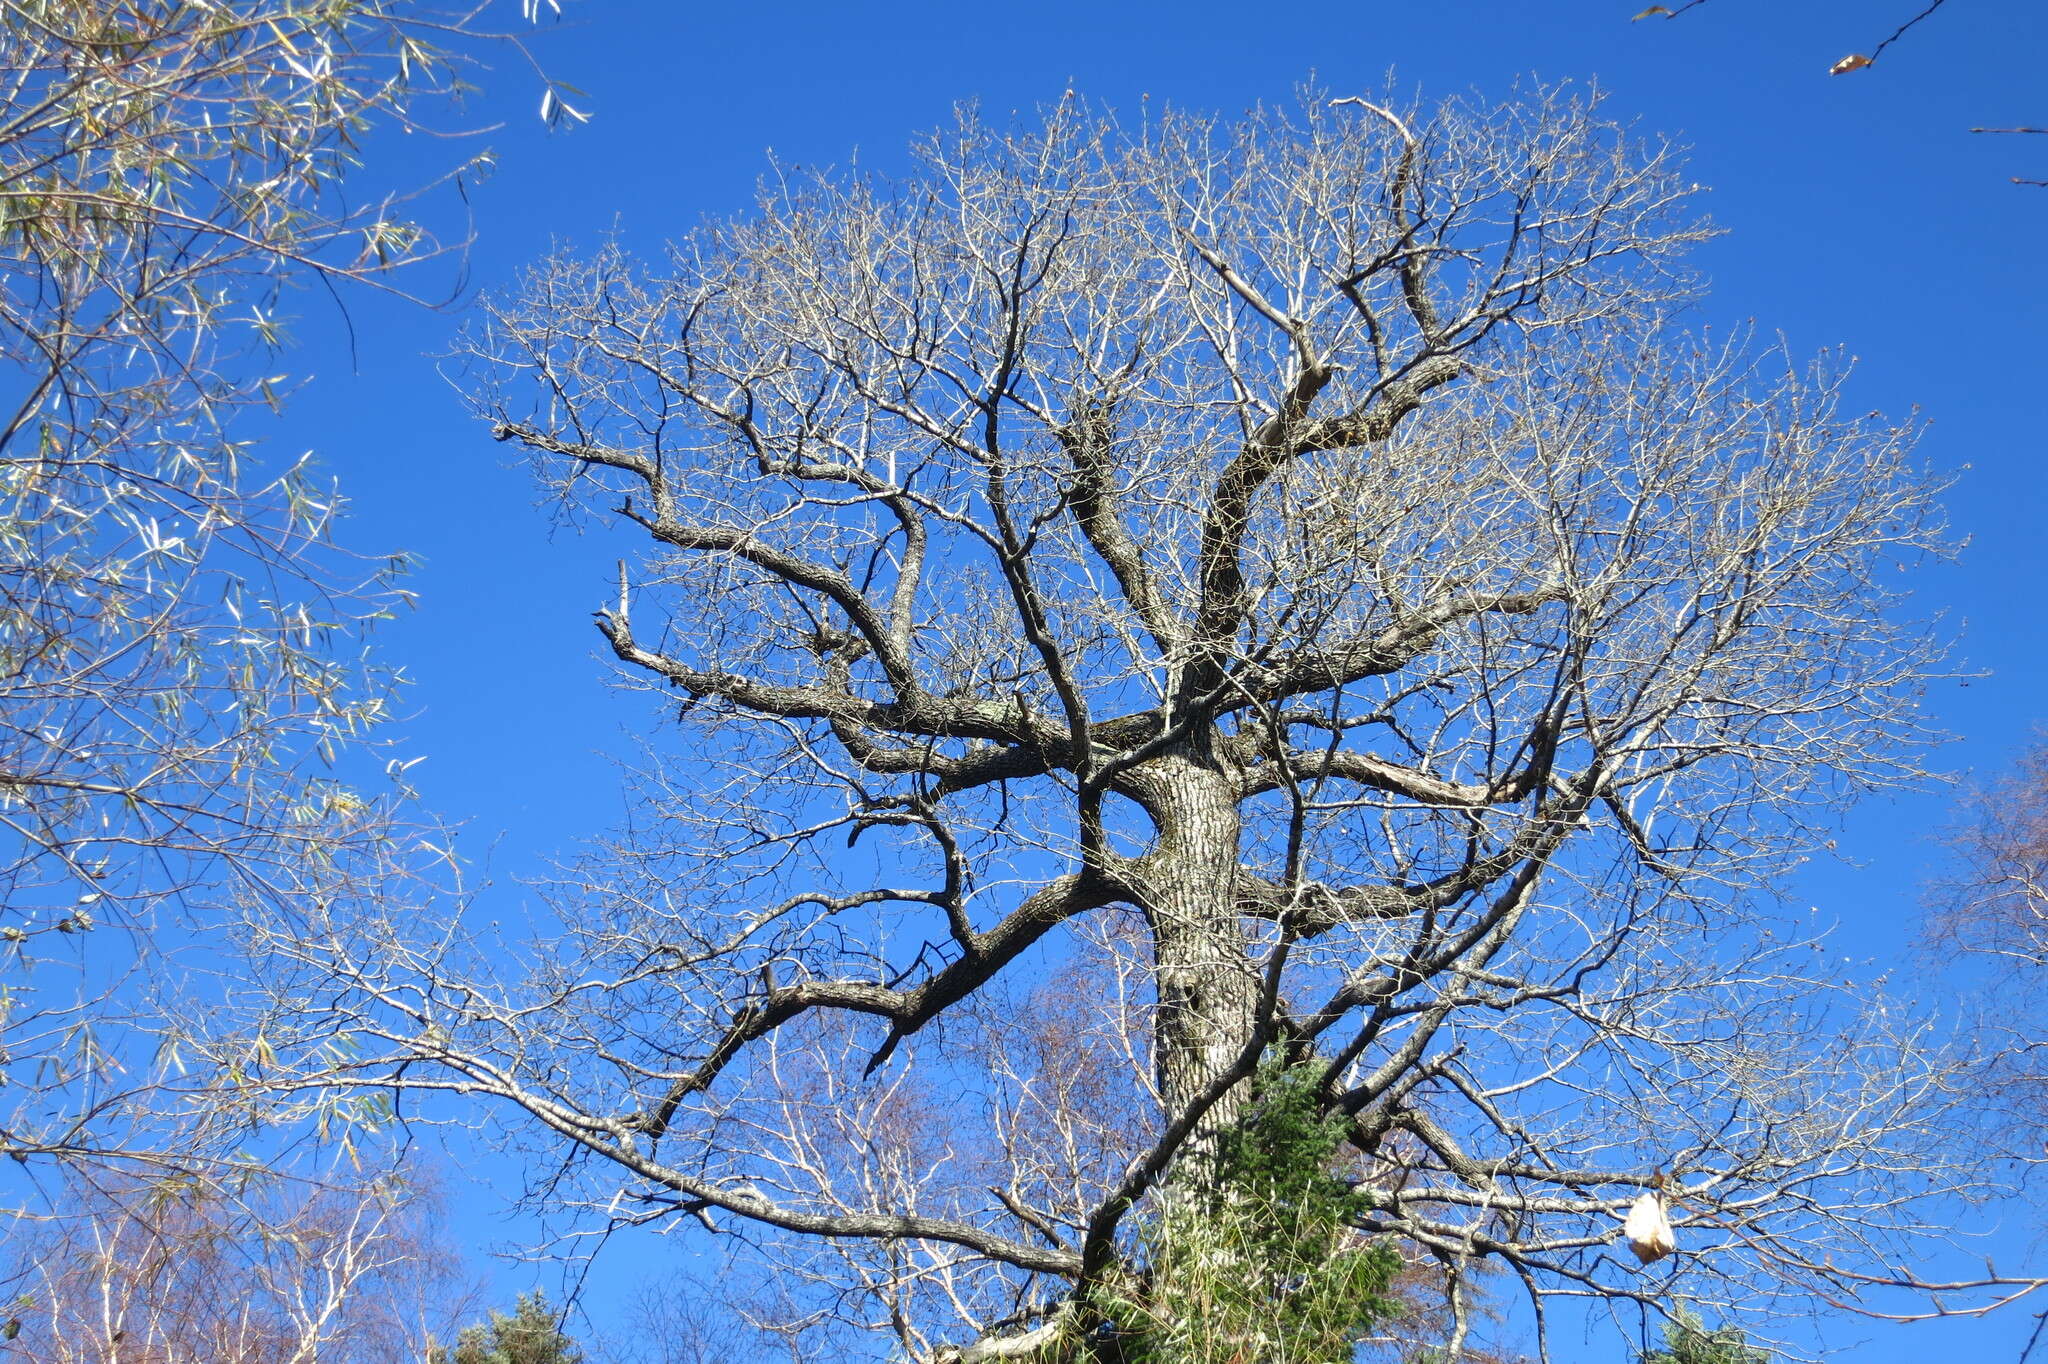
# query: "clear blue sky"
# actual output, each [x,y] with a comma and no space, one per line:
[1860,213]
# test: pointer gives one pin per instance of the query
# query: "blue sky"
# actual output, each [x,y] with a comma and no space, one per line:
[1860,213]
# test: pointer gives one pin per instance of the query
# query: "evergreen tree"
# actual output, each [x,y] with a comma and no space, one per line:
[532,1334]
[1688,1341]
[1259,1261]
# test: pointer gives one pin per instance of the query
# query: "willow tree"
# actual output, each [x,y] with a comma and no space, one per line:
[178,635]
[1281,584]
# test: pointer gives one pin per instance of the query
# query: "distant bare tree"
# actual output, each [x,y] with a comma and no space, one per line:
[277,1271]
[1295,570]
[1990,906]
[1995,900]
[679,1323]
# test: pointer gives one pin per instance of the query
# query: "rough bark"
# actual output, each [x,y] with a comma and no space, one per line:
[1208,987]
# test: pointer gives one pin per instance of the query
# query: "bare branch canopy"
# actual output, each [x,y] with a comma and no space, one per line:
[1285,584]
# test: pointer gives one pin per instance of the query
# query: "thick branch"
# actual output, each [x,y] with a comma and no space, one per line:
[1286,435]
[1088,442]
[982,956]
[921,714]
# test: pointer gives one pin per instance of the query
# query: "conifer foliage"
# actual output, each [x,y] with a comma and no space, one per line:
[531,1334]
[1260,1259]
[1688,1341]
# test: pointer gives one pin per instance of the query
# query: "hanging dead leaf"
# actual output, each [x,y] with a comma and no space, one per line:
[1855,61]
[1648,1230]
[1651,13]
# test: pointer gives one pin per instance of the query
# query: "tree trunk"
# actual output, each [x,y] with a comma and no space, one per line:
[1208,990]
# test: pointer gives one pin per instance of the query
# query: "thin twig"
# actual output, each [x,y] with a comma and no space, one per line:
[2040,1319]
[1900,31]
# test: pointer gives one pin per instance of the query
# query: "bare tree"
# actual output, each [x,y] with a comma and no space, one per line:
[178,640]
[1995,899]
[1990,906]
[1295,569]
[276,1271]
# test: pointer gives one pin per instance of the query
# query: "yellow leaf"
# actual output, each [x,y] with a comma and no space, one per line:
[1855,61]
